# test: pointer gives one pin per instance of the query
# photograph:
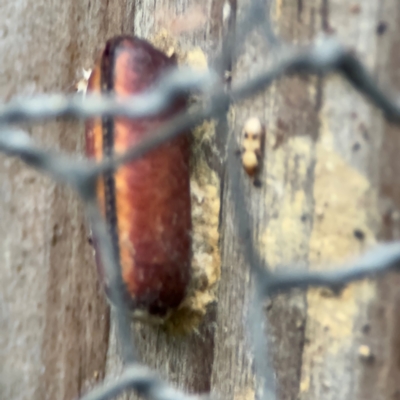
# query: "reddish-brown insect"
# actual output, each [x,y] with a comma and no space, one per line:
[146,203]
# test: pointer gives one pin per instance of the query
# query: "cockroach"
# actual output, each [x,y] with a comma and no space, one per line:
[146,203]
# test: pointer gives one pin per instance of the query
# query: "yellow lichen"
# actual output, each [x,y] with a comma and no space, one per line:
[284,235]
[245,394]
[205,209]
[344,201]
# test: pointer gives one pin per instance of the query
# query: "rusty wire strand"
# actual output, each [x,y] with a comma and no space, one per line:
[323,57]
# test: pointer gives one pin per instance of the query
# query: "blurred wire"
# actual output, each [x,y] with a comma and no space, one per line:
[141,379]
[326,55]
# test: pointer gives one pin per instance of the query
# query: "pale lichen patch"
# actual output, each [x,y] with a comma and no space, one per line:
[206,263]
[245,394]
[284,236]
[344,202]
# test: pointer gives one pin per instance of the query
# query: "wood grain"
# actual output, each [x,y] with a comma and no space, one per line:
[329,190]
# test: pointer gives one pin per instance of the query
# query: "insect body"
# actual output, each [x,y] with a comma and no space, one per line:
[146,203]
[251,145]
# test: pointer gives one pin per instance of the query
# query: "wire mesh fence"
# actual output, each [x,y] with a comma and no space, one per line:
[322,57]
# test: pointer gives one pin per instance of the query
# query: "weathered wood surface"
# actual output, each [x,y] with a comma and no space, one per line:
[330,170]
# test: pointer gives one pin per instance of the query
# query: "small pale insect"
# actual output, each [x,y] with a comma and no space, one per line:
[251,145]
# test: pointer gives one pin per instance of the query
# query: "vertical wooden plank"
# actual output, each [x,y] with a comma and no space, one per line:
[350,338]
[53,315]
[281,209]
[380,331]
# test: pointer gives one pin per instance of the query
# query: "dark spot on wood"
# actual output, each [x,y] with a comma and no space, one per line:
[381,28]
[356,146]
[304,218]
[54,240]
[366,328]
[359,234]
[257,183]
